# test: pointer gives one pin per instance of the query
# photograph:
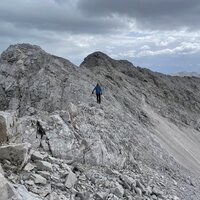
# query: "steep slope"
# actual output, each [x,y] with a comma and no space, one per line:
[146,127]
[173,104]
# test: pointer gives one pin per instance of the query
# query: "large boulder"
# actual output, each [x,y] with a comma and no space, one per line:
[17,154]
[60,137]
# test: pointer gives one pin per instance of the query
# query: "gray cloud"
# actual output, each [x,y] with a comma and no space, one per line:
[146,32]
[151,14]
[61,16]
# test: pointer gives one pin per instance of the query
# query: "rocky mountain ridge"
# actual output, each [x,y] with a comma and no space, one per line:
[184,73]
[142,142]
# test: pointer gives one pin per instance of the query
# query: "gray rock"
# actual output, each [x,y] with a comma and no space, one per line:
[128,181]
[7,190]
[17,154]
[26,195]
[54,196]
[29,182]
[82,196]
[148,190]
[100,195]
[140,185]
[70,180]
[60,137]
[38,179]
[118,191]
[1,170]
[138,191]
[29,167]
[45,174]
[157,191]
[176,198]
[7,125]
[36,155]
[43,165]
[73,111]
[154,197]
[112,197]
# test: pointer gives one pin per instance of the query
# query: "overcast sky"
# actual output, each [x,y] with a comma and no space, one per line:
[163,35]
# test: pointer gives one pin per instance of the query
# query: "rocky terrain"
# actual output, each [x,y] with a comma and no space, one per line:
[142,142]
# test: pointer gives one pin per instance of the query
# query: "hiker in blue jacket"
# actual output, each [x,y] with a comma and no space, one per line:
[98,92]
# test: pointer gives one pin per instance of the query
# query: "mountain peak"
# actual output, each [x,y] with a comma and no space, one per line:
[15,52]
[97,59]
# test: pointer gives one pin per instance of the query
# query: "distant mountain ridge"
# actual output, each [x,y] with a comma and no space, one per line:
[184,73]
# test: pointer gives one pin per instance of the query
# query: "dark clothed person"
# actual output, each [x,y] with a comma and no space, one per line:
[98,91]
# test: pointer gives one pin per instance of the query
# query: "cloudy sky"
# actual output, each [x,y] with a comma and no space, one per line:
[163,35]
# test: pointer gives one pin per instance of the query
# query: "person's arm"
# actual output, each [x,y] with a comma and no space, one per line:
[93,90]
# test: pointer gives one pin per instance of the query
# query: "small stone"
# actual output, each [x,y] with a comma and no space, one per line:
[43,165]
[6,162]
[176,198]
[112,197]
[36,155]
[100,196]
[38,179]
[175,183]
[55,178]
[54,196]
[127,179]
[82,196]
[119,190]
[45,174]
[148,190]
[29,167]
[140,185]
[157,191]
[70,180]
[138,191]
[29,182]
[154,197]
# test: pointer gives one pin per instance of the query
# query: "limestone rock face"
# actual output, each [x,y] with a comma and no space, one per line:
[25,67]
[7,125]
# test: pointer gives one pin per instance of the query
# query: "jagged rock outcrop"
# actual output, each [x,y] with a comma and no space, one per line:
[135,145]
[7,125]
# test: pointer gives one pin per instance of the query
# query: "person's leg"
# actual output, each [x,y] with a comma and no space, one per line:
[99,98]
